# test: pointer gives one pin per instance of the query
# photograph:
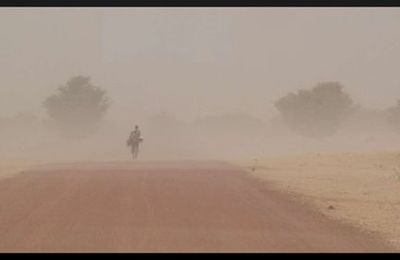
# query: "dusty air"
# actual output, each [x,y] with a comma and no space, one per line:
[199,129]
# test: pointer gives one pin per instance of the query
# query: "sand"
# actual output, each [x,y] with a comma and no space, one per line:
[362,189]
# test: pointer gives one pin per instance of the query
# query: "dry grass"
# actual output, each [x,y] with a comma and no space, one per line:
[362,189]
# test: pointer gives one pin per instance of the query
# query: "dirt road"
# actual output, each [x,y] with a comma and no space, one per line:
[161,206]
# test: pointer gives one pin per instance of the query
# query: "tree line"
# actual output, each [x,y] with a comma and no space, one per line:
[78,107]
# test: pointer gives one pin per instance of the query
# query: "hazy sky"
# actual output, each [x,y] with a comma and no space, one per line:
[198,61]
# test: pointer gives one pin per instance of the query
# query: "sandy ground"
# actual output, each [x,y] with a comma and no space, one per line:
[162,206]
[362,188]
[9,168]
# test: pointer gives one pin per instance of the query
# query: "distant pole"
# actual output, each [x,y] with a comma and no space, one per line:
[254,165]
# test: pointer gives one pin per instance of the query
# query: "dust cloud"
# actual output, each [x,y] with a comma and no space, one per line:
[201,83]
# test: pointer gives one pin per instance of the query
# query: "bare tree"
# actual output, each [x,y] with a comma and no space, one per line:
[77,107]
[317,112]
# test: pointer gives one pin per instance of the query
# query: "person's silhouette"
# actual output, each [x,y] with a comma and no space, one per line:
[134,140]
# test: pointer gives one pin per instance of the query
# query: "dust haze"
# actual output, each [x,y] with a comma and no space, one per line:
[201,83]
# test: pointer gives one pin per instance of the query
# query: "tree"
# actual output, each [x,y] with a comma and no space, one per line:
[77,107]
[317,112]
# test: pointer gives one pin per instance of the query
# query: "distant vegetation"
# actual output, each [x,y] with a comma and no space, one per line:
[77,107]
[317,112]
[393,117]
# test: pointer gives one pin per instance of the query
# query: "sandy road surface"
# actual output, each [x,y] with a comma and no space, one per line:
[160,206]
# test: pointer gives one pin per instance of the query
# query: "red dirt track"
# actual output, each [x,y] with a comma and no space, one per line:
[161,207]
